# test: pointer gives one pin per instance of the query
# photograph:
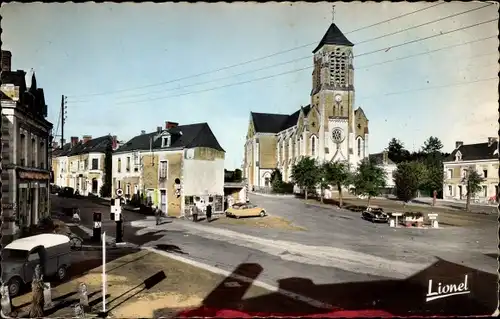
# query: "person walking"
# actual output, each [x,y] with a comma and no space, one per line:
[158,213]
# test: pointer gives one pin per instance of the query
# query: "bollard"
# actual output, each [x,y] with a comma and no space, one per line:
[96,231]
[392,223]
[5,300]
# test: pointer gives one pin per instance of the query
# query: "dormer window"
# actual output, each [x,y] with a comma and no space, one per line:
[458,156]
[165,141]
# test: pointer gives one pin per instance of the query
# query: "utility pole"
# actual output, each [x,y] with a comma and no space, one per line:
[63,118]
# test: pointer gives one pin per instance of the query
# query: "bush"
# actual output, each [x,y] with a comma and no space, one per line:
[105,190]
[284,188]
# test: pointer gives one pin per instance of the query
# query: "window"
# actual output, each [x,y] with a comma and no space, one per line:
[359,147]
[119,167]
[119,184]
[86,164]
[165,141]
[163,169]
[458,156]
[33,153]
[449,174]
[128,164]
[95,163]
[23,150]
[450,190]
[464,173]
[338,68]
[313,146]
[33,257]
[267,182]
[485,173]
[485,191]
[127,189]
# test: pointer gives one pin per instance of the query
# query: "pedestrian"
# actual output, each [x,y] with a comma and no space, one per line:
[209,212]
[158,213]
[76,216]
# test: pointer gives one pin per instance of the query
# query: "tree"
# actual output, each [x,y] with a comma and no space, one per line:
[237,175]
[322,180]
[338,174]
[409,177]
[108,171]
[396,151]
[306,174]
[473,181]
[276,180]
[369,179]
[432,145]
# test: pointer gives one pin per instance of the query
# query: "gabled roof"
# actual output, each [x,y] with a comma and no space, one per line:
[378,158]
[333,36]
[182,136]
[63,151]
[473,152]
[274,123]
[95,145]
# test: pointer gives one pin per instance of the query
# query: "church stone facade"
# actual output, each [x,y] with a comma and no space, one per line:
[329,128]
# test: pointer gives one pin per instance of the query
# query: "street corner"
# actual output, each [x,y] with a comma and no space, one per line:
[266,222]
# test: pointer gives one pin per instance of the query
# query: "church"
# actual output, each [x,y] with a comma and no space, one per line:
[329,128]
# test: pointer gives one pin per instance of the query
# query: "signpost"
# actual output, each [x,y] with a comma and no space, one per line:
[104,272]
[433,218]
[397,215]
[116,215]
[96,230]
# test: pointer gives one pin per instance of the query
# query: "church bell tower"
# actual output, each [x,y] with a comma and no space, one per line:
[333,94]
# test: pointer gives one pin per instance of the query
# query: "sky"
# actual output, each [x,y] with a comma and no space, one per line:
[131,67]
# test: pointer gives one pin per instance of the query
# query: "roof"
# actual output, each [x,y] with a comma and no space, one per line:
[473,152]
[333,36]
[63,151]
[46,240]
[14,77]
[274,123]
[183,136]
[95,145]
[378,158]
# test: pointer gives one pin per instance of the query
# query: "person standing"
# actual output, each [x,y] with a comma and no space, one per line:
[157,212]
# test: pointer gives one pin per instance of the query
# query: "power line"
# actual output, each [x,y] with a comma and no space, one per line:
[305,68]
[431,88]
[255,59]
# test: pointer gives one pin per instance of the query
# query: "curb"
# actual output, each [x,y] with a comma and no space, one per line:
[273,195]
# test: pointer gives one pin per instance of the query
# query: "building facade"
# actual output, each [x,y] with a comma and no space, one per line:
[26,138]
[173,168]
[80,164]
[482,157]
[383,161]
[329,128]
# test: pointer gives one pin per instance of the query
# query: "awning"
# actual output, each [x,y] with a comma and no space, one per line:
[33,174]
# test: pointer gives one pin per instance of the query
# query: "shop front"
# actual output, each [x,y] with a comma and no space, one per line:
[32,196]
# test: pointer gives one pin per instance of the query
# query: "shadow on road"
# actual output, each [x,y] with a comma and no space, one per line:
[373,299]
[171,249]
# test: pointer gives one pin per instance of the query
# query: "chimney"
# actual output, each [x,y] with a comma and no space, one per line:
[158,129]
[86,138]
[491,140]
[74,140]
[458,144]
[143,132]
[385,157]
[114,142]
[6,60]
[169,125]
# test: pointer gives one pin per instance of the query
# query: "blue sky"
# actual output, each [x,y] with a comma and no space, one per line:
[82,49]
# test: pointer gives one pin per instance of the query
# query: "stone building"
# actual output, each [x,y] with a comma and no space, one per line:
[26,137]
[80,164]
[173,168]
[483,157]
[329,128]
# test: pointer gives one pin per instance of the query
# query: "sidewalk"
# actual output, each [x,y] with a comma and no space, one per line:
[147,284]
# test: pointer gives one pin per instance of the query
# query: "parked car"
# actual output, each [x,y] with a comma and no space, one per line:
[67,192]
[245,210]
[375,215]
[20,257]
[54,189]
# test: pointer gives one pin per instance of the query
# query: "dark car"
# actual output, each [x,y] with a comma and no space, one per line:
[67,192]
[54,189]
[375,215]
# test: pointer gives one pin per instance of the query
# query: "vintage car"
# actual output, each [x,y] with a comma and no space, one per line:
[20,257]
[375,215]
[245,210]
[66,192]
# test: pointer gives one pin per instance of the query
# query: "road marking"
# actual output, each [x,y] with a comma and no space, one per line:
[258,283]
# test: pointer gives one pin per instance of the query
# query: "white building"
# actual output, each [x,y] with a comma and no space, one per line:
[382,160]
[26,137]
[483,157]
[173,168]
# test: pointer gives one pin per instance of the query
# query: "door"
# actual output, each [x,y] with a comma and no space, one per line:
[94,186]
[29,265]
[33,206]
[460,191]
[163,201]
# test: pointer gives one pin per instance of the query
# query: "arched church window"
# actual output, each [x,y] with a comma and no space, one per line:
[338,67]
[359,147]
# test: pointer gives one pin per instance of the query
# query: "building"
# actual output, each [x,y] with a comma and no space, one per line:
[382,160]
[26,137]
[483,157]
[327,129]
[80,164]
[173,168]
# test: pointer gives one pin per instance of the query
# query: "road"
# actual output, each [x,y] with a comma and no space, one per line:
[338,250]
